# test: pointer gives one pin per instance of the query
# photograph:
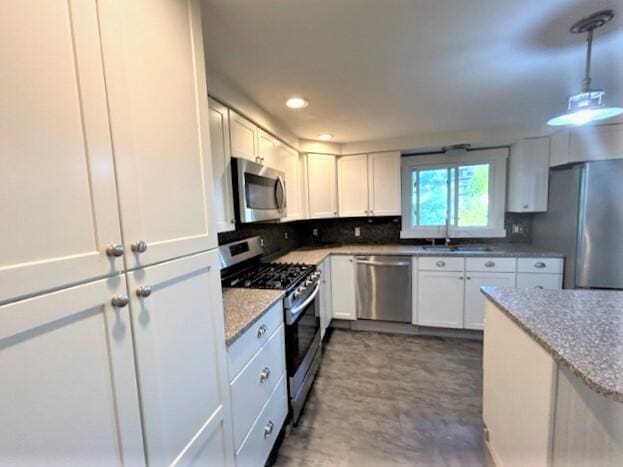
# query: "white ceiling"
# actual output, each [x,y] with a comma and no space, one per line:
[375,69]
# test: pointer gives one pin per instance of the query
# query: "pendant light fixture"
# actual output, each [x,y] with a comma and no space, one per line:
[588,105]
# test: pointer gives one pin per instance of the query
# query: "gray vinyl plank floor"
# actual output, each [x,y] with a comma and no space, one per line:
[391,400]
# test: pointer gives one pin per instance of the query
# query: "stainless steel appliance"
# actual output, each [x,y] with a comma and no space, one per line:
[241,266]
[384,288]
[260,191]
[584,221]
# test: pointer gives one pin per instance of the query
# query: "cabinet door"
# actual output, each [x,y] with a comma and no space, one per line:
[474,317]
[528,176]
[593,143]
[289,161]
[68,394]
[440,299]
[180,353]
[221,168]
[343,302]
[325,295]
[352,186]
[58,200]
[155,78]
[267,150]
[243,136]
[384,183]
[539,281]
[321,186]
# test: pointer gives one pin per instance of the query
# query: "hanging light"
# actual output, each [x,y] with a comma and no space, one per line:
[588,105]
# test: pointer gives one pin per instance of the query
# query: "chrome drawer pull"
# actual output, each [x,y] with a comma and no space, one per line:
[143,291]
[489,264]
[115,250]
[539,265]
[262,330]
[440,264]
[120,301]
[268,429]
[264,375]
[139,246]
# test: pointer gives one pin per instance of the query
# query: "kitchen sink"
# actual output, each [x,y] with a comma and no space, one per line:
[458,248]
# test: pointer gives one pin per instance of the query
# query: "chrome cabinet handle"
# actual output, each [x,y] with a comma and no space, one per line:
[268,429]
[539,264]
[139,246]
[440,264]
[115,250]
[539,287]
[143,291]
[460,278]
[264,375]
[261,330]
[232,221]
[120,301]
[468,278]
[489,264]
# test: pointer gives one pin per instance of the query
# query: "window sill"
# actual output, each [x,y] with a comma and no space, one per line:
[456,233]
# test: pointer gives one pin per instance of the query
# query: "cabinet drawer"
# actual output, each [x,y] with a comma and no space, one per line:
[540,265]
[539,281]
[439,263]
[254,384]
[264,431]
[241,351]
[490,264]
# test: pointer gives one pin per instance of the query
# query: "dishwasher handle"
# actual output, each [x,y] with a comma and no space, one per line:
[378,263]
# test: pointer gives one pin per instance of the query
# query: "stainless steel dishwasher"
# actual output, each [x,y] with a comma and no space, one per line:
[384,288]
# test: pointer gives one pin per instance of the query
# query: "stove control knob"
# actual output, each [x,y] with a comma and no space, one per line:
[309,282]
[298,293]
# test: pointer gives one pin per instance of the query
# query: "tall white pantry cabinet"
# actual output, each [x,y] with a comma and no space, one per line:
[111,321]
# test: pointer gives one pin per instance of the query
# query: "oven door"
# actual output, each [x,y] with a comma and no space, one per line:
[302,332]
[261,191]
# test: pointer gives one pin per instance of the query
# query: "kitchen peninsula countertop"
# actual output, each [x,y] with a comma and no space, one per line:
[581,329]
[243,307]
[311,255]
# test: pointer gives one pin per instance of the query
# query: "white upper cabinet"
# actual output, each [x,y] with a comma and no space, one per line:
[528,175]
[58,199]
[289,161]
[321,186]
[223,208]
[590,143]
[352,185]
[155,78]
[68,394]
[384,183]
[267,147]
[177,319]
[244,137]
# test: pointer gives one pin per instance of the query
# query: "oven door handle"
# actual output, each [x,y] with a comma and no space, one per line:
[294,312]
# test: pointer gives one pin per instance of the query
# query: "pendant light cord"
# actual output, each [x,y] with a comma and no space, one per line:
[587,69]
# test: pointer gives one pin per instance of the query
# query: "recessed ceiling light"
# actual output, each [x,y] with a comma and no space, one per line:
[325,137]
[297,102]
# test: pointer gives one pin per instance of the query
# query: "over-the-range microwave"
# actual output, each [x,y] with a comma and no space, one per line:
[260,191]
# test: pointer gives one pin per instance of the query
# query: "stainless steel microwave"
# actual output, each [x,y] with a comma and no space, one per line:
[261,191]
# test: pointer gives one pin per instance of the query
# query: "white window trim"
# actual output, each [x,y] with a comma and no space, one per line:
[497,200]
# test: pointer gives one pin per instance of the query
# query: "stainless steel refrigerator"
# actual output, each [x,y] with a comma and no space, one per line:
[584,221]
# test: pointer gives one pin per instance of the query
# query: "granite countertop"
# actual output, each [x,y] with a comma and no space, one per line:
[243,307]
[581,329]
[310,255]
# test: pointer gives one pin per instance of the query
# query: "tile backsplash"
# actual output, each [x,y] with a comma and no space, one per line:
[280,238]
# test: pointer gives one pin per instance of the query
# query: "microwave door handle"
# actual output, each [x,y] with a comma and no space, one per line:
[280,199]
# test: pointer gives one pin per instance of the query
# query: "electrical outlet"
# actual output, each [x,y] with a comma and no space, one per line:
[315,232]
[262,242]
[517,229]
[285,235]
[357,232]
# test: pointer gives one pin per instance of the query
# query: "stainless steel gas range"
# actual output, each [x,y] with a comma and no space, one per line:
[242,266]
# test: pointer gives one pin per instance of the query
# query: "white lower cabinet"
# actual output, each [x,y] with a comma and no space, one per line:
[343,301]
[258,387]
[474,313]
[440,299]
[177,319]
[68,394]
[325,295]
[539,281]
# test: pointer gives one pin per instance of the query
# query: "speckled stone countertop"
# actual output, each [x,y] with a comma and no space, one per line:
[310,255]
[581,329]
[243,307]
